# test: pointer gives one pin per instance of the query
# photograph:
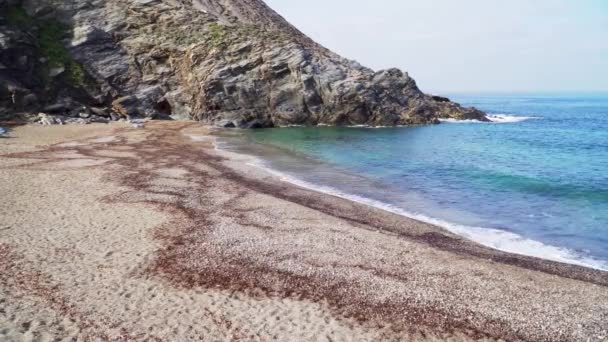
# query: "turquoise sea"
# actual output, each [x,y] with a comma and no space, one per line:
[535,182]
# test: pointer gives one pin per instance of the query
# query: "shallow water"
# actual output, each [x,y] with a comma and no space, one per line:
[535,182]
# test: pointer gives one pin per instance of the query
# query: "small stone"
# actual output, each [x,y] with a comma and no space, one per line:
[54,72]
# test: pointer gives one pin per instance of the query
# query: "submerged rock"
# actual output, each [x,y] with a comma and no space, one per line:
[235,63]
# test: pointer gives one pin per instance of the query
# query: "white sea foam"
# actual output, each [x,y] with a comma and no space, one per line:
[103,140]
[291,125]
[495,118]
[493,238]
[503,118]
[196,137]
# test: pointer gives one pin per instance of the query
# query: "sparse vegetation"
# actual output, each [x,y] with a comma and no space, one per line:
[218,34]
[50,37]
[213,34]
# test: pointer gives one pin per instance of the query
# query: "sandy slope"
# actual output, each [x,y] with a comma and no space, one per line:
[113,232]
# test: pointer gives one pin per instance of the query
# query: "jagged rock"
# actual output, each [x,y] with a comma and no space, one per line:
[86,34]
[254,124]
[440,98]
[235,63]
[127,106]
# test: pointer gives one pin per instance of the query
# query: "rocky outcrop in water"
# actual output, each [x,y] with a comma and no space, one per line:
[228,62]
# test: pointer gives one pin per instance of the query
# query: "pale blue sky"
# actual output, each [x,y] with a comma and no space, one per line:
[467,45]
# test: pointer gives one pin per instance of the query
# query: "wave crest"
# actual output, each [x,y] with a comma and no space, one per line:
[495,118]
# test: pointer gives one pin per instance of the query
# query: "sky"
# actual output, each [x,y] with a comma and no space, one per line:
[467,45]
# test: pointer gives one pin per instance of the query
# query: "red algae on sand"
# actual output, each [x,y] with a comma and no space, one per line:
[250,233]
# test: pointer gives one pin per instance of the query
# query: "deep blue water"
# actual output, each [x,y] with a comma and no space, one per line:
[541,174]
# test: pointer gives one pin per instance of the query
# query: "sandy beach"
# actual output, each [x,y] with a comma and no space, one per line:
[108,232]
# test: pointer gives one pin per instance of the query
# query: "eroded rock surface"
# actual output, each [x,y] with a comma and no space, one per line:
[234,62]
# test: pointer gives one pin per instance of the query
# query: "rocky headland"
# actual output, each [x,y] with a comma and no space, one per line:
[232,63]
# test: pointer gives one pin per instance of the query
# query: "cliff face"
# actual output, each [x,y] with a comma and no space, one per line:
[227,62]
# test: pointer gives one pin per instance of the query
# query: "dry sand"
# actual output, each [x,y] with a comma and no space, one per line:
[114,233]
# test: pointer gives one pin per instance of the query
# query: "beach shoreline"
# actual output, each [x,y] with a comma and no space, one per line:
[262,155]
[217,226]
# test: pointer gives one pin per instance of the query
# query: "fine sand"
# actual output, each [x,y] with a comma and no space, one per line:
[108,232]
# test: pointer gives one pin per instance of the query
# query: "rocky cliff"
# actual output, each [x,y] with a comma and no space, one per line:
[227,62]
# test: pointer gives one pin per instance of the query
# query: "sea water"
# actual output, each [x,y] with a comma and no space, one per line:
[534,182]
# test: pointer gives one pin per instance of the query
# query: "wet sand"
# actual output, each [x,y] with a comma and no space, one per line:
[112,232]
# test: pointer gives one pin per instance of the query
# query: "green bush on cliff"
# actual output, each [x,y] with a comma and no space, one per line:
[218,34]
[50,36]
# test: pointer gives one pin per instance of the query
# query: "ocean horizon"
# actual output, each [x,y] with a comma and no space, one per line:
[534,182]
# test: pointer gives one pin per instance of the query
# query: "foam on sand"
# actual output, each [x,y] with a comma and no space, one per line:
[103,140]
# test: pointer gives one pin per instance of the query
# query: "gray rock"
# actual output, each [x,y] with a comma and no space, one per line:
[98,119]
[57,108]
[85,34]
[54,72]
[225,124]
[29,100]
[99,111]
